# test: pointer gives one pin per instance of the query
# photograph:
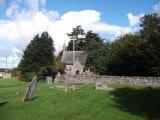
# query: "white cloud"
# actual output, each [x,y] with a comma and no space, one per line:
[12,10]
[35,5]
[134,20]
[104,27]
[157,8]
[5,52]
[11,61]
[13,57]
[84,17]
[25,23]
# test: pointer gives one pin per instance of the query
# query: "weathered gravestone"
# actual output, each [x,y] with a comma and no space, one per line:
[30,90]
[58,77]
[49,79]
[102,86]
[69,85]
[65,86]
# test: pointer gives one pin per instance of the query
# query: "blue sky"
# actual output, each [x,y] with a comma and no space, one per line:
[20,20]
[110,9]
[113,11]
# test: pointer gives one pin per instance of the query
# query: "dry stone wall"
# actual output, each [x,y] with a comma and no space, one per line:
[148,81]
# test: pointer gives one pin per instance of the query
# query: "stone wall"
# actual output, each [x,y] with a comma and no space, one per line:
[5,75]
[148,81]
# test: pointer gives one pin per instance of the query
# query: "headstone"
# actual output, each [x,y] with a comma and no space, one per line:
[65,86]
[30,90]
[102,86]
[58,77]
[73,87]
[49,79]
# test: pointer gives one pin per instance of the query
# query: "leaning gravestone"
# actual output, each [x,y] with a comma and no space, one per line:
[30,90]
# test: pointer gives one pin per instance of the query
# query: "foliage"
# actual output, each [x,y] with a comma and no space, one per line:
[136,54]
[150,26]
[94,46]
[125,57]
[151,38]
[97,52]
[79,42]
[39,53]
[47,71]
[28,76]
[58,65]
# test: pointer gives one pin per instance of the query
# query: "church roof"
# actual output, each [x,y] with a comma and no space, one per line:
[67,57]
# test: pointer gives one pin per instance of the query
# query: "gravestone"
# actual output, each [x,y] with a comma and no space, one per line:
[68,85]
[58,77]
[49,79]
[65,86]
[30,90]
[102,86]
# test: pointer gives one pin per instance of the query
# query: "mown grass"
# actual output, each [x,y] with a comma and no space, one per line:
[51,103]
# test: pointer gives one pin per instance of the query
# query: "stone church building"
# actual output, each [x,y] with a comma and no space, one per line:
[77,67]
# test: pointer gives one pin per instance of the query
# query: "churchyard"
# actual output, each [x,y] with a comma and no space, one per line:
[51,102]
[79,60]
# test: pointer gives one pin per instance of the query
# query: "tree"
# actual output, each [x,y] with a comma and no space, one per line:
[58,65]
[97,52]
[138,54]
[79,42]
[151,36]
[39,53]
[98,58]
[150,25]
[95,48]
[126,58]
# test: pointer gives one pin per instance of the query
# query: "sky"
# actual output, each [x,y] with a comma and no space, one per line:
[21,20]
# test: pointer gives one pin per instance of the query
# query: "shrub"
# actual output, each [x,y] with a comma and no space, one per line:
[47,71]
[28,76]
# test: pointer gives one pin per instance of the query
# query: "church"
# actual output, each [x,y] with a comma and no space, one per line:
[74,67]
[74,61]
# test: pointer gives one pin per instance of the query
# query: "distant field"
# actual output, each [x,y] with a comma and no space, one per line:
[52,103]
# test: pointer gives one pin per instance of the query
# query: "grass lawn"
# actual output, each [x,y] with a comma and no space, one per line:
[50,103]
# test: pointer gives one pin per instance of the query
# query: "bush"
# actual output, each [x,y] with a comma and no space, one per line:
[47,71]
[28,76]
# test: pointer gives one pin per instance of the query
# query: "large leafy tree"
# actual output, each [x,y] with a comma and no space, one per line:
[98,58]
[97,51]
[138,54]
[126,59]
[39,53]
[151,37]
[150,25]
[74,35]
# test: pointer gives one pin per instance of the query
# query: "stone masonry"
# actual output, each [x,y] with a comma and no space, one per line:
[147,81]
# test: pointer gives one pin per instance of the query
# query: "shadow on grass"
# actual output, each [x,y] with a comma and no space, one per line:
[142,102]
[35,98]
[3,103]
